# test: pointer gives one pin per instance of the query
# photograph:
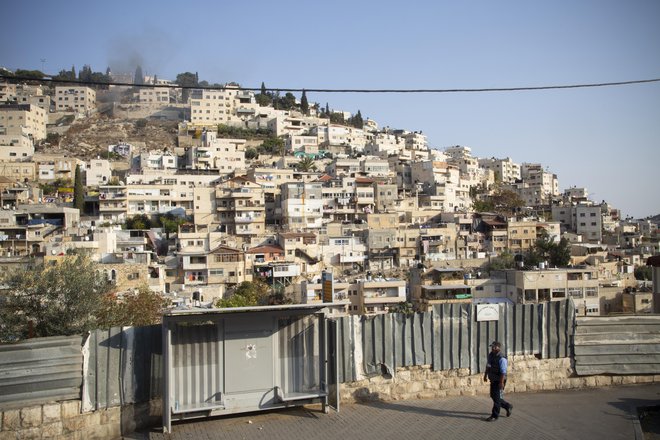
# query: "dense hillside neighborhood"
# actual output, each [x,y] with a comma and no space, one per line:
[202,193]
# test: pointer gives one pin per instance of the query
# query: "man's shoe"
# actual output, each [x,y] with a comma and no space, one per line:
[509,411]
[491,419]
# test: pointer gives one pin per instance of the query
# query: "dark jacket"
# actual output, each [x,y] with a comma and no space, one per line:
[494,372]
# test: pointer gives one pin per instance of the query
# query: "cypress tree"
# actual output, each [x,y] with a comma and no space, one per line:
[78,190]
[139,77]
[304,104]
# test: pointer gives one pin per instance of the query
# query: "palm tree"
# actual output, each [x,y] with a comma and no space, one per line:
[306,164]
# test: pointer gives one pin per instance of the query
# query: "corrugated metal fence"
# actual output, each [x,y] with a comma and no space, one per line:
[122,365]
[617,345]
[450,337]
[40,370]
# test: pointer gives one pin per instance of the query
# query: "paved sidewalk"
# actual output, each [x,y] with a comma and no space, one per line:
[598,413]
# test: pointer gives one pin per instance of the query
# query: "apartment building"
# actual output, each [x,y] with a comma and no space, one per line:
[345,252]
[505,170]
[302,143]
[589,222]
[206,266]
[20,119]
[154,95]
[27,229]
[7,91]
[240,207]
[543,182]
[371,296]
[97,172]
[18,171]
[151,194]
[304,250]
[154,161]
[228,106]
[385,196]
[415,140]
[302,205]
[375,167]
[75,98]
[343,167]
[438,285]
[521,236]
[437,179]
[51,167]
[16,146]
[29,94]
[224,155]
[438,243]
[533,286]
[495,232]
[384,144]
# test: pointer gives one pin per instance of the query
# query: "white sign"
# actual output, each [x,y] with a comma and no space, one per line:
[488,312]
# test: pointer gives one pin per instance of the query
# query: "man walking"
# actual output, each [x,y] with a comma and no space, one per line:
[496,373]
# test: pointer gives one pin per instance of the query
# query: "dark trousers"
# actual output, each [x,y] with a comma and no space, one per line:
[498,402]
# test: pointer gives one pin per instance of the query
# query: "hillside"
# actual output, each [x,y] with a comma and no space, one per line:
[90,137]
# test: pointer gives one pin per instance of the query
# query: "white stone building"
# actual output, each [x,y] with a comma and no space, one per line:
[75,98]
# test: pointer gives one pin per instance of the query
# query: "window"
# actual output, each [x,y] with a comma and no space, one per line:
[217,272]
[575,292]
[591,292]
[558,293]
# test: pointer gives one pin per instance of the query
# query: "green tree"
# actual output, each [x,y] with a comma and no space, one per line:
[304,104]
[85,74]
[306,164]
[187,79]
[140,221]
[33,74]
[546,249]
[248,293]
[144,307]
[357,120]
[251,153]
[52,300]
[643,273]
[264,98]
[272,145]
[78,191]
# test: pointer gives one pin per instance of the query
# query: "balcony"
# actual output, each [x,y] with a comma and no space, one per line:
[351,258]
[383,297]
[244,219]
[112,196]
[108,207]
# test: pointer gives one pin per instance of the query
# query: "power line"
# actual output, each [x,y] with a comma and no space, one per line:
[285,89]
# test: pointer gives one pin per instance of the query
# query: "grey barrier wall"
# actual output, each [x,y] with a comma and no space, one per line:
[122,366]
[450,337]
[40,370]
[617,345]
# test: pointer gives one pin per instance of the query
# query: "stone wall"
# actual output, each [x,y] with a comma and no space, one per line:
[64,420]
[526,373]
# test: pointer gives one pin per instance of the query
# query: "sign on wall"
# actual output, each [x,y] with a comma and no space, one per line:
[488,312]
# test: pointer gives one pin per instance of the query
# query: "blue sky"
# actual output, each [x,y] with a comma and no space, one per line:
[607,139]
